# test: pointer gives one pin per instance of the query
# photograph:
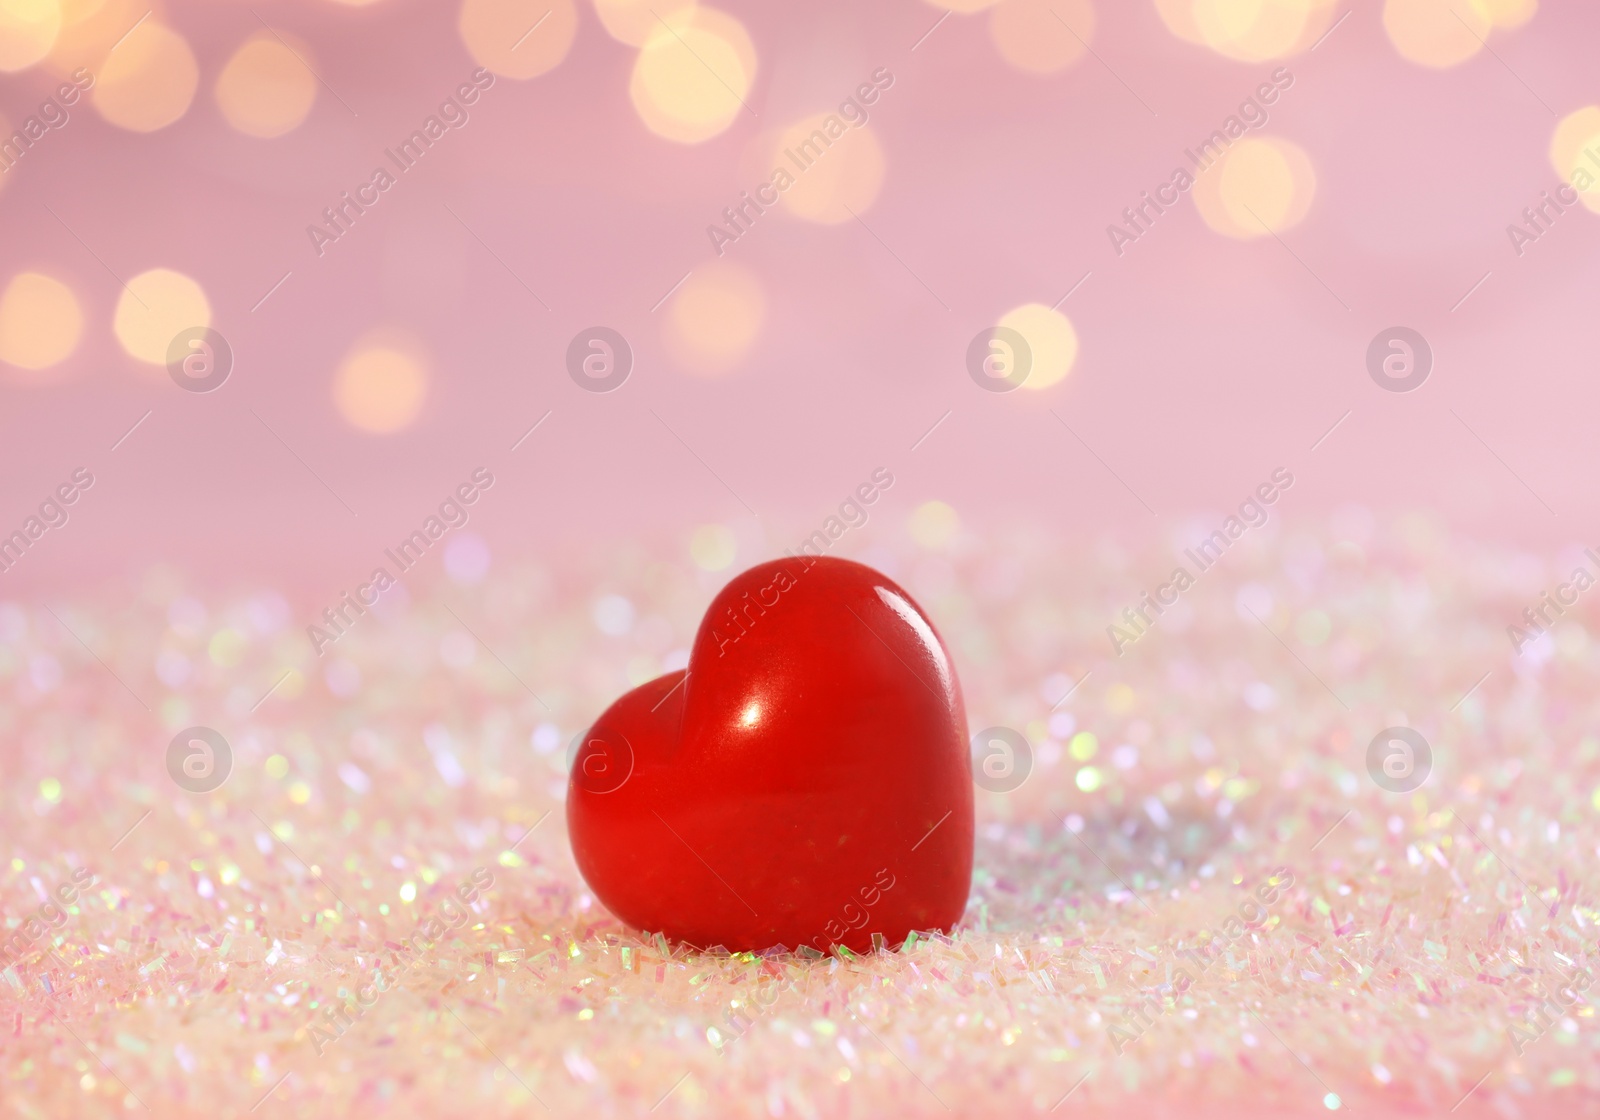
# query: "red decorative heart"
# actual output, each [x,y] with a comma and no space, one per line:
[806,781]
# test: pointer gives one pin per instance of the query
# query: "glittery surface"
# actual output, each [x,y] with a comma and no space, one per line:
[1399,968]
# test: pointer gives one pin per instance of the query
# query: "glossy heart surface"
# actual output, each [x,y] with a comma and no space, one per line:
[805,782]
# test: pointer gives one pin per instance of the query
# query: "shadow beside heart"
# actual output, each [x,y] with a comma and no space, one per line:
[1033,875]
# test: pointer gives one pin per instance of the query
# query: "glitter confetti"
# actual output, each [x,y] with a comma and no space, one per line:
[1231,910]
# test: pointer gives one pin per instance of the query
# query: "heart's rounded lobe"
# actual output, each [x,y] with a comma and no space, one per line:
[806,781]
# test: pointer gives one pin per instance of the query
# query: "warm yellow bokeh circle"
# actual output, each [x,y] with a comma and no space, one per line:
[1052,343]
[382,383]
[518,39]
[1437,33]
[1249,30]
[148,80]
[691,77]
[40,321]
[265,89]
[1575,153]
[152,310]
[634,21]
[1256,30]
[1510,14]
[1042,36]
[76,11]
[713,547]
[934,524]
[1260,186]
[715,318]
[28,29]
[89,29]
[837,168]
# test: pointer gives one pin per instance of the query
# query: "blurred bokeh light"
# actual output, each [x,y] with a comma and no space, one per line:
[1249,30]
[1510,14]
[713,547]
[1576,136]
[634,21]
[933,524]
[1435,33]
[148,80]
[382,383]
[690,80]
[518,38]
[40,321]
[1052,343]
[1259,186]
[152,310]
[264,89]
[963,6]
[845,172]
[28,29]
[91,28]
[1042,36]
[715,317]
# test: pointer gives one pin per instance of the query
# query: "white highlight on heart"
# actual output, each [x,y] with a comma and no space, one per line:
[913,618]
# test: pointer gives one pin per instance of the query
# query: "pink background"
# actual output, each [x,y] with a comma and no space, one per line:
[1204,362]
